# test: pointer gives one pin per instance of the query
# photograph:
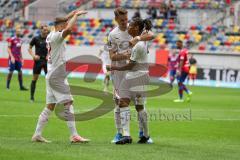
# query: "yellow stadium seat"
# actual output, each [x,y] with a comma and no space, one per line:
[237,49]
[216,43]
[38,24]
[235,29]
[162,41]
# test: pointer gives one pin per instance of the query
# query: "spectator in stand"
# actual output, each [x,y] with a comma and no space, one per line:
[172,10]
[163,11]
[152,12]
[137,14]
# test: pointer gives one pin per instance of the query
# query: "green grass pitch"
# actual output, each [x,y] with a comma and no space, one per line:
[207,128]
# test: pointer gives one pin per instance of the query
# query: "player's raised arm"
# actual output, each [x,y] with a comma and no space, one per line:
[72,22]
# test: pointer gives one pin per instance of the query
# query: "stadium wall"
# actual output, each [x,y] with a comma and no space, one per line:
[218,69]
[189,17]
[42,10]
[215,70]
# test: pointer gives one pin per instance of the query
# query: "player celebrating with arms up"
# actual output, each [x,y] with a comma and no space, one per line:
[40,57]
[182,72]
[132,85]
[58,90]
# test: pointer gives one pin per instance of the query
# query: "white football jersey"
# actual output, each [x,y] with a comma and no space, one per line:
[139,54]
[119,41]
[56,49]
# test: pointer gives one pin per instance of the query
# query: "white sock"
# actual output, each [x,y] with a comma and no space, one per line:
[125,120]
[117,119]
[140,124]
[143,121]
[42,120]
[71,120]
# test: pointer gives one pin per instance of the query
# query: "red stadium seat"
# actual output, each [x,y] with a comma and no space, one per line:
[202,47]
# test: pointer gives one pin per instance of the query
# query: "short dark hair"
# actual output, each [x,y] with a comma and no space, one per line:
[142,24]
[179,41]
[59,20]
[120,11]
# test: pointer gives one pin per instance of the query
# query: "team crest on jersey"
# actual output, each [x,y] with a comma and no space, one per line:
[124,45]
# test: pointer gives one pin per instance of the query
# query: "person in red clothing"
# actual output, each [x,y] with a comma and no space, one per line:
[15,59]
[182,72]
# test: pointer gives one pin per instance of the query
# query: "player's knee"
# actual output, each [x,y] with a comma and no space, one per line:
[68,103]
[51,106]
[124,103]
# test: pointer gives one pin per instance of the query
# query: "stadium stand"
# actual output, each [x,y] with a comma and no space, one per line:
[9,7]
[188,4]
[193,4]
[94,31]
[222,39]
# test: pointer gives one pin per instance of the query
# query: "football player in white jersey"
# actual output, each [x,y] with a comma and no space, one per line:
[58,90]
[119,42]
[104,56]
[133,83]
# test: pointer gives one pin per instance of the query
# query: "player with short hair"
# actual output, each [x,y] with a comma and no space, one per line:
[39,57]
[133,84]
[119,42]
[182,72]
[15,59]
[58,90]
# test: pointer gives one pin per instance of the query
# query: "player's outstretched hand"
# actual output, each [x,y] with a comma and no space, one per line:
[81,12]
